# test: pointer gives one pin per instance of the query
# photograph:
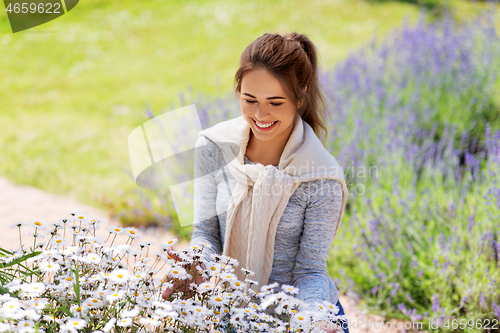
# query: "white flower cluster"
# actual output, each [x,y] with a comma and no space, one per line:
[84,285]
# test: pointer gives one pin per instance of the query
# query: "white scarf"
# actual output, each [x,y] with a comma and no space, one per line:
[262,192]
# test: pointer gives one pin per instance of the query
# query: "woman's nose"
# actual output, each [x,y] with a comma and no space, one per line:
[262,114]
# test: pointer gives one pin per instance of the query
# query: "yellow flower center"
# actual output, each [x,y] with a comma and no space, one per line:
[132,232]
[120,276]
[38,224]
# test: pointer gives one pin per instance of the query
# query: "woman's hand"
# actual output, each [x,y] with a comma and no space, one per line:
[183,285]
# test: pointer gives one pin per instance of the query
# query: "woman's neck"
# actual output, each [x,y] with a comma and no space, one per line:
[266,152]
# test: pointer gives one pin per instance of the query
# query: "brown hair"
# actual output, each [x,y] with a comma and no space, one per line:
[293,60]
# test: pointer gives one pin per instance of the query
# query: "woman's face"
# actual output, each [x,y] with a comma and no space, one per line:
[263,101]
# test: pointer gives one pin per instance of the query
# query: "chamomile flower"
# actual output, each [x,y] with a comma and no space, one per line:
[214,269]
[179,272]
[302,319]
[92,258]
[168,244]
[132,232]
[109,325]
[205,287]
[59,241]
[97,241]
[36,223]
[236,284]
[129,313]
[18,224]
[49,267]
[289,289]
[125,322]
[76,323]
[228,277]
[26,326]
[93,302]
[217,300]
[145,244]
[33,288]
[13,256]
[116,296]
[119,276]
[149,321]
[115,230]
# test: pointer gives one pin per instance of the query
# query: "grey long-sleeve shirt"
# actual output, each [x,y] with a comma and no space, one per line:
[304,233]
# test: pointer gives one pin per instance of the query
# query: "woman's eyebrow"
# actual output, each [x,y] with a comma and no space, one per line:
[274,97]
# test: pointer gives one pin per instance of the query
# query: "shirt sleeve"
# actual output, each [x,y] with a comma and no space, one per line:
[206,221]
[324,200]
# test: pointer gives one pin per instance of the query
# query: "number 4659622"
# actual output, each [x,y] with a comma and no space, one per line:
[47,8]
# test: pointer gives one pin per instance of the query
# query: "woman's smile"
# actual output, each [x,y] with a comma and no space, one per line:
[265,126]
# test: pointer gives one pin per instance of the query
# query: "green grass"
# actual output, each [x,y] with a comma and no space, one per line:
[74,88]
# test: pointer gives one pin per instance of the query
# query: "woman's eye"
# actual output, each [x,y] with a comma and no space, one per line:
[249,101]
[276,104]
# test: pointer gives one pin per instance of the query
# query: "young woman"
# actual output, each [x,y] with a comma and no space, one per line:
[267,192]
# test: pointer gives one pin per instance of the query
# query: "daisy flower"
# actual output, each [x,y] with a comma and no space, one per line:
[92,258]
[129,313]
[49,267]
[236,284]
[109,325]
[228,277]
[217,300]
[93,302]
[205,287]
[13,256]
[116,296]
[247,271]
[36,224]
[97,241]
[76,323]
[213,269]
[289,289]
[80,218]
[26,326]
[119,275]
[125,322]
[60,241]
[115,230]
[301,319]
[149,321]
[146,244]
[18,224]
[33,288]
[179,272]
[168,244]
[132,232]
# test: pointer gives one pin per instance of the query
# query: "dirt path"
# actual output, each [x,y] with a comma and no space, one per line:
[22,203]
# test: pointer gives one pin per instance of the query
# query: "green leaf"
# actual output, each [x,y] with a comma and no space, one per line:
[19,260]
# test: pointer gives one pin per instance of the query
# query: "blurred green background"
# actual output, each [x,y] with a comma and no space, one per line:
[74,88]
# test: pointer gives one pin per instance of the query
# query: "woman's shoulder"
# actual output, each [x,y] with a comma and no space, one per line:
[209,152]
[320,189]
